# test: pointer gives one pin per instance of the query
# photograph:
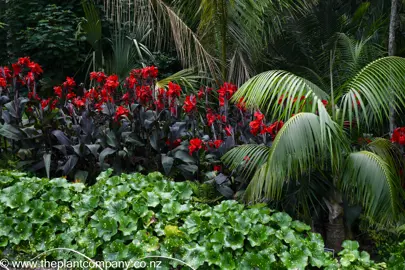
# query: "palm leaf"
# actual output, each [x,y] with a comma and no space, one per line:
[379,85]
[305,142]
[370,181]
[256,156]
[266,89]
[185,77]
[389,152]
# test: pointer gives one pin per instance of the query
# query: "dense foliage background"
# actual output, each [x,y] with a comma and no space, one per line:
[298,104]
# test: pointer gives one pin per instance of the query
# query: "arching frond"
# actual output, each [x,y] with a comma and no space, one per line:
[354,54]
[186,77]
[305,142]
[379,85]
[274,91]
[370,181]
[388,151]
[249,156]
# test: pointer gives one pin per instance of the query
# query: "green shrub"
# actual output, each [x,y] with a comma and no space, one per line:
[130,216]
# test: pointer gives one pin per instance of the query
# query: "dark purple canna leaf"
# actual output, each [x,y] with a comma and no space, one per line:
[61,137]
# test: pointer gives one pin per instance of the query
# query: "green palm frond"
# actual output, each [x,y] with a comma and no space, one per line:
[370,181]
[354,55]
[92,24]
[306,142]
[249,156]
[388,151]
[379,85]
[186,77]
[266,89]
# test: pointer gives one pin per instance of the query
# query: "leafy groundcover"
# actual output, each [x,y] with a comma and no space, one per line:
[131,216]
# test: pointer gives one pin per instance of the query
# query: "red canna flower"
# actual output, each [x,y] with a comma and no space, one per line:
[121,111]
[70,95]
[144,94]
[217,168]
[69,83]
[53,104]
[241,105]
[79,102]
[398,136]
[226,92]
[228,130]
[3,82]
[98,106]
[325,102]
[58,91]
[190,104]
[16,69]
[211,118]
[24,61]
[35,68]
[201,94]
[255,127]
[259,116]
[112,82]
[30,77]
[45,103]
[149,72]
[218,143]
[7,73]
[274,128]
[174,90]
[195,145]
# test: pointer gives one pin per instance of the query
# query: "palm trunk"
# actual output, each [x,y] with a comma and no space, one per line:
[335,229]
[391,52]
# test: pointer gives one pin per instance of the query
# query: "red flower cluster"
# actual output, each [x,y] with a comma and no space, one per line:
[98,76]
[226,92]
[399,136]
[190,104]
[146,72]
[121,111]
[215,144]
[32,69]
[257,125]
[195,145]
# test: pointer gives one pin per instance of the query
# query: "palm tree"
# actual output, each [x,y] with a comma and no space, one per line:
[314,151]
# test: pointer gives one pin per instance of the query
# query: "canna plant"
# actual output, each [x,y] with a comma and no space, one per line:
[328,151]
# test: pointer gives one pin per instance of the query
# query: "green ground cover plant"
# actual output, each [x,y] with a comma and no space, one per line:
[130,216]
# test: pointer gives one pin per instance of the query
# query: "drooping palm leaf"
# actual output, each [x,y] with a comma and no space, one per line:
[186,78]
[306,142]
[274,92]
[370,181]
[249,156]
[389,152]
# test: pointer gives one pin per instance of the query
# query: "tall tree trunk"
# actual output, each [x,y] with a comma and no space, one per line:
[391,52]
[223,12]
